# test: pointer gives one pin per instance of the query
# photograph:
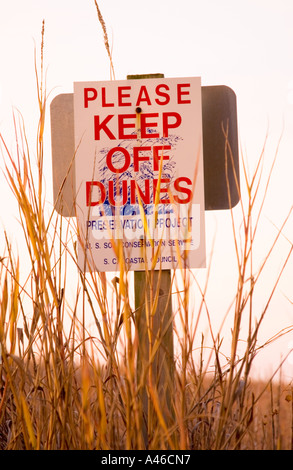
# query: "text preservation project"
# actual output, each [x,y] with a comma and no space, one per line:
[139,174]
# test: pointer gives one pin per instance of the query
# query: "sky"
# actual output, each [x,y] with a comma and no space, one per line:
[244,45]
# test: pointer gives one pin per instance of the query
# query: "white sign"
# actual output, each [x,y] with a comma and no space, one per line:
[139,173]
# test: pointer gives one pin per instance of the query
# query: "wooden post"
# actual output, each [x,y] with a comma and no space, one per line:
[155,362]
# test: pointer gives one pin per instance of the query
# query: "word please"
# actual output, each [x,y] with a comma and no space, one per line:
[124,96]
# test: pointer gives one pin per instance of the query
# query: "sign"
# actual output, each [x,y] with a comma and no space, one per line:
[139,173]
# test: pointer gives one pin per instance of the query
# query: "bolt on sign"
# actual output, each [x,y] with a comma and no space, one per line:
[139,173]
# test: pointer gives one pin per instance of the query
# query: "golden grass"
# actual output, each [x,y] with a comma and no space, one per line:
[69,377]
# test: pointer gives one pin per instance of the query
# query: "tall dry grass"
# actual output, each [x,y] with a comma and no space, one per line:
[69,339]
